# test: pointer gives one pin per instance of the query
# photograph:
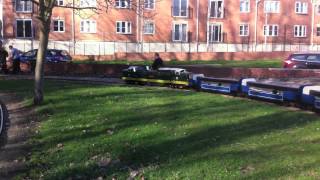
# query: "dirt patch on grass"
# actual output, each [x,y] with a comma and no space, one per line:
[14,147]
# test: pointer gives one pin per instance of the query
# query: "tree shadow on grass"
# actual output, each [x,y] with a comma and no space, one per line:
[161,147]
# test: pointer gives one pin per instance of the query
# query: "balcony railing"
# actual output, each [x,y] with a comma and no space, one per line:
[183,13]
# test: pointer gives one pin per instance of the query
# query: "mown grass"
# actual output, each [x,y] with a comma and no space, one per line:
[274,63]
[90,131]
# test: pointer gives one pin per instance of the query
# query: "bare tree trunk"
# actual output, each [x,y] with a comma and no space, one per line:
[39,71]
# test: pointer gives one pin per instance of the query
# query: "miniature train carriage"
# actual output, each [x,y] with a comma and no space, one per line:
[316,95]
[306,97]
[223,85]
[172,76]
[275,91]
[163,76]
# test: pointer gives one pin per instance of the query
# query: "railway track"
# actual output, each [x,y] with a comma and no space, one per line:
[3,122]
[90,80]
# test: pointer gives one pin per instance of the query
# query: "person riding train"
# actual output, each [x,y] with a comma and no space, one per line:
[158,62]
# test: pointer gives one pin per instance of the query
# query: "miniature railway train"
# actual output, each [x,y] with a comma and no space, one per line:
[304,94]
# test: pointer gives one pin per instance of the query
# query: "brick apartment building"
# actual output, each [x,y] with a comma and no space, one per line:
[169,25]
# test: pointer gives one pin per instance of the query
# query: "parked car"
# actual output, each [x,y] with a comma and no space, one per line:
[53,55]
[303,61]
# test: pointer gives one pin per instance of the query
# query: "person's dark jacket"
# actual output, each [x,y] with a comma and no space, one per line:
[157,63]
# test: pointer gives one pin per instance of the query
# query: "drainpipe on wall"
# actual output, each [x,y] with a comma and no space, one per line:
[208,18]
[138,22]
[73,30]
[142,25]
[1,18]
[197,35]
[266,24]
[312,21]
[256,24]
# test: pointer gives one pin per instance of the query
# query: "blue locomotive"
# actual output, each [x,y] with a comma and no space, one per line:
[305,93]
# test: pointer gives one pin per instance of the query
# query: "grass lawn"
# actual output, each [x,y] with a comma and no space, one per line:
[276,63]
[90,131]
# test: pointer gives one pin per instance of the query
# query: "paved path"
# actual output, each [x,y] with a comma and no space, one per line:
[13,153]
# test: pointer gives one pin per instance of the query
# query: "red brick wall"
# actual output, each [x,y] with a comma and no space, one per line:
[192,56]
[115,71]
[163,19]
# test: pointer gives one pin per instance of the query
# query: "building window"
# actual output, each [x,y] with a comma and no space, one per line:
[23,6]
[123,3]
[244,29]
[149,4]
[301,8]
[270,30]
[300,31]
[58,25]
[215,33]
[88,26]
[148,27]
[318,30]
[59,2]
[123,27]
[180,8]
[318,9]
[244,6]
[216,8]
[180,32]
[88,3]
[271,6]
[24,28]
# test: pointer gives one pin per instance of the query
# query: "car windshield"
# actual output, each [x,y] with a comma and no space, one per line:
[299,57]
[30,53]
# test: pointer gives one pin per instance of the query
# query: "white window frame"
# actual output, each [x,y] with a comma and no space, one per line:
[92,29]
[59,2]
[118,4]
[88,3]
[180,32]
[128,29]
[222,10]
[16,25]
[144,27]
[24,2]
[148,3]
[210,28]
[266,28]
[242,32]
[300,31]
[180,10]
[270,6]
[246,8]
[59,25]
[301,7]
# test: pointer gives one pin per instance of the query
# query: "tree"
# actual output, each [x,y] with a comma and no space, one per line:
[45,9]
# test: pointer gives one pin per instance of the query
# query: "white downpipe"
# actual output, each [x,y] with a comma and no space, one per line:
[256,24]
[1,18]
[312,25]
[73,34]
[138,22]
[266,24]
[197,26]
[208,23]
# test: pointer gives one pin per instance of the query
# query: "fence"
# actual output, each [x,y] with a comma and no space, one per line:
[98,48]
